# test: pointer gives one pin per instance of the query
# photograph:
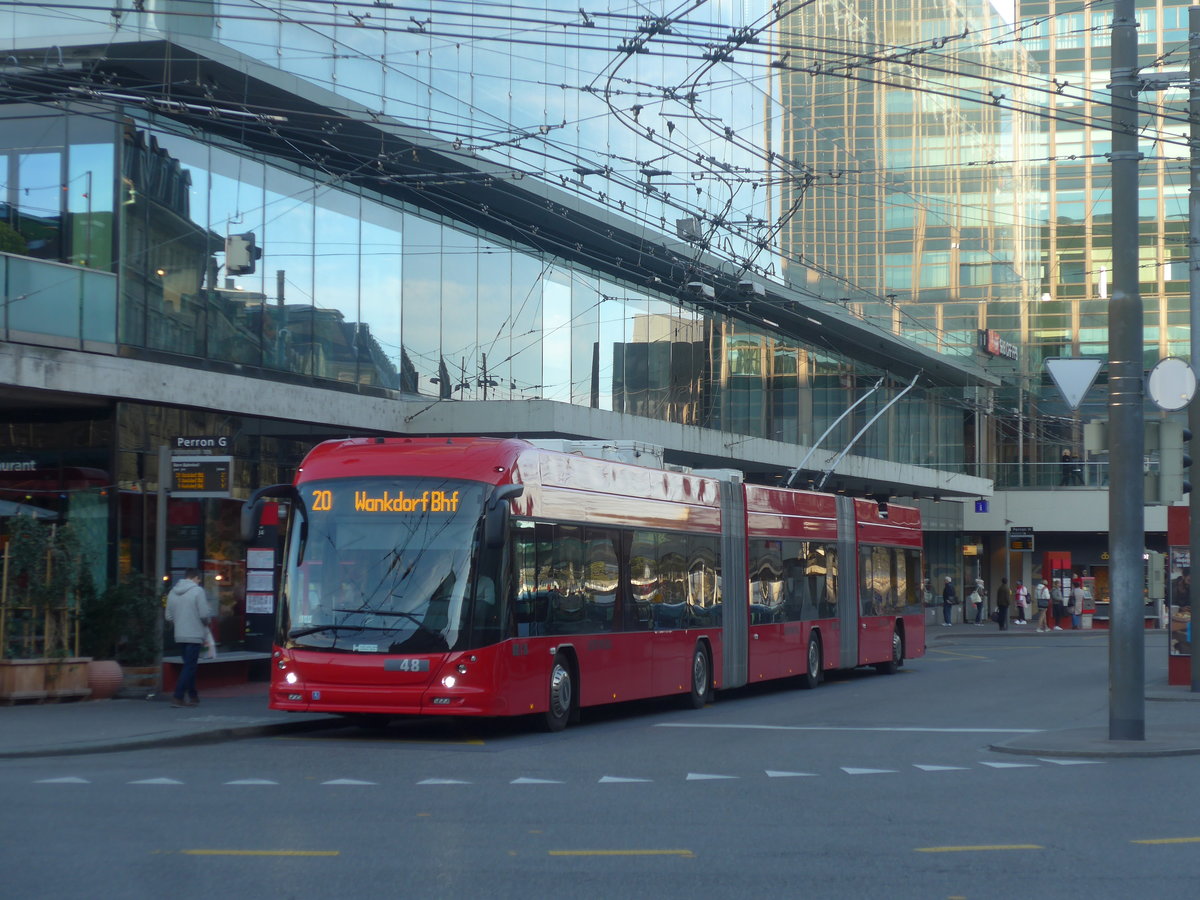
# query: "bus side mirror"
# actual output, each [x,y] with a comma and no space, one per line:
[496,523]
[252,510]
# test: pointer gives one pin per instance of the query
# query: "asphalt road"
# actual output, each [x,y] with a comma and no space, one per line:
[872,785]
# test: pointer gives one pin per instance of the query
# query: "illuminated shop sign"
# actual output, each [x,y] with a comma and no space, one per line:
[992,344]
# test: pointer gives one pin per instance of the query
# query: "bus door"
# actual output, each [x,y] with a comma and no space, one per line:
[847,583]
[876,598]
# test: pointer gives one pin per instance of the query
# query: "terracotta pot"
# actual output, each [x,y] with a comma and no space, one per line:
[104,678]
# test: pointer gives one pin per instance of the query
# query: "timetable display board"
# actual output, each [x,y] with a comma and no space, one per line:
[201,476]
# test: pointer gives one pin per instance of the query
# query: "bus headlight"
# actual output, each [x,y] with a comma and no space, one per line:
[291,678]
[449,681]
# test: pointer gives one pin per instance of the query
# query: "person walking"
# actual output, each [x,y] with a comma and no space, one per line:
[979,598]
[1057,606]
[949,598]
[1003,600]
[1022,597]
[188,609]
[1077,598]
[1043,604]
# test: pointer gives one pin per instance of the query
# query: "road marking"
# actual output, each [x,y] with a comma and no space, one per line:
[773,774]
[909,729]
[157,781]
[931,651]
[253,781]
[978,847]
[524,780]
[941,768]
[70,779]
[1073,762]
[612,779]
[260,852]
[697,776]
[1181,840]
[851,771]
[442,781]
[684,853]
[348,781]
[1000,765]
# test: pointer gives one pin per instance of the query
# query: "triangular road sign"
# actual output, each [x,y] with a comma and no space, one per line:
[1073,376]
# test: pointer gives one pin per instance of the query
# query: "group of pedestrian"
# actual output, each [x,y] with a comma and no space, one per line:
[1047,599]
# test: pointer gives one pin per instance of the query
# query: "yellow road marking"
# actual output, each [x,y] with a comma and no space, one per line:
[260,852]
[977,847]
[1187,840]
[929,652]
[687,853]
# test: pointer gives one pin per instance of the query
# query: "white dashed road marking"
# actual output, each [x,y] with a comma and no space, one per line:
[941,768]
[618,779]
[852,771]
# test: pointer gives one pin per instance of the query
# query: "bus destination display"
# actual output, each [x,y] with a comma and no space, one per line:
[388,502]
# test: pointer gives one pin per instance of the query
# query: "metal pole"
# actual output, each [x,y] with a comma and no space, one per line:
[1126,417]
[1194,291]
[160,524]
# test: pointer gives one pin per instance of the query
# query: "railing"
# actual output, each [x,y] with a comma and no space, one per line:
[57,305]
[1052,476]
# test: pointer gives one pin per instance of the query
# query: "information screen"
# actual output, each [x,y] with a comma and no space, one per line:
[201,476]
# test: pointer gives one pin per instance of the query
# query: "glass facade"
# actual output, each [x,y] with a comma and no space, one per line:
[352,287]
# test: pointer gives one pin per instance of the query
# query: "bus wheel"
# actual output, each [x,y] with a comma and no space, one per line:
[812,664]
[561,691]
[897,660]
[701,682]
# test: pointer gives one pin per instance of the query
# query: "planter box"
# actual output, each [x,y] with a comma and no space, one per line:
[67,679]
[139,681]
[22,680]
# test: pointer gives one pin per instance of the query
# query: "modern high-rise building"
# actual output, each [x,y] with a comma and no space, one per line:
[960,181]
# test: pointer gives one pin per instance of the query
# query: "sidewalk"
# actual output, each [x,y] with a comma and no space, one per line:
[102,726]
[1084,743]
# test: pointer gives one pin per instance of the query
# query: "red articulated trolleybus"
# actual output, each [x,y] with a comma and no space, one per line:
[486,577]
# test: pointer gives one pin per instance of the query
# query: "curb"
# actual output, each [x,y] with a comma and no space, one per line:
[211,736]
[1093,743]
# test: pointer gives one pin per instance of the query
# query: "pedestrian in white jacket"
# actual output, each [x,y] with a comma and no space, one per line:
[188,610]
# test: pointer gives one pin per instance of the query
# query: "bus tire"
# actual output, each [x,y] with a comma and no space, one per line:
[700,678]
[562,695]
[812,664]
[897,660]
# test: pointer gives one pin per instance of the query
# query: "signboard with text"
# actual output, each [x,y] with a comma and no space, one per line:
[201,476]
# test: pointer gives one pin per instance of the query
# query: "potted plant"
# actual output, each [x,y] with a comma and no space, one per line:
[118,627]
[39,613]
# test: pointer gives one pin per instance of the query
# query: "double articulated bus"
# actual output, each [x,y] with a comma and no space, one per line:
[485,577]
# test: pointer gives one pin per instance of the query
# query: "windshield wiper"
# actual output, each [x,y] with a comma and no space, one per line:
[386,612]
[301,632]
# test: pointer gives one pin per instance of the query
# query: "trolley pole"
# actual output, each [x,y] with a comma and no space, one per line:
[1126,416]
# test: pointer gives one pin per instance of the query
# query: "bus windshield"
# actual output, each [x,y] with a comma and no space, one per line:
[381,565]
